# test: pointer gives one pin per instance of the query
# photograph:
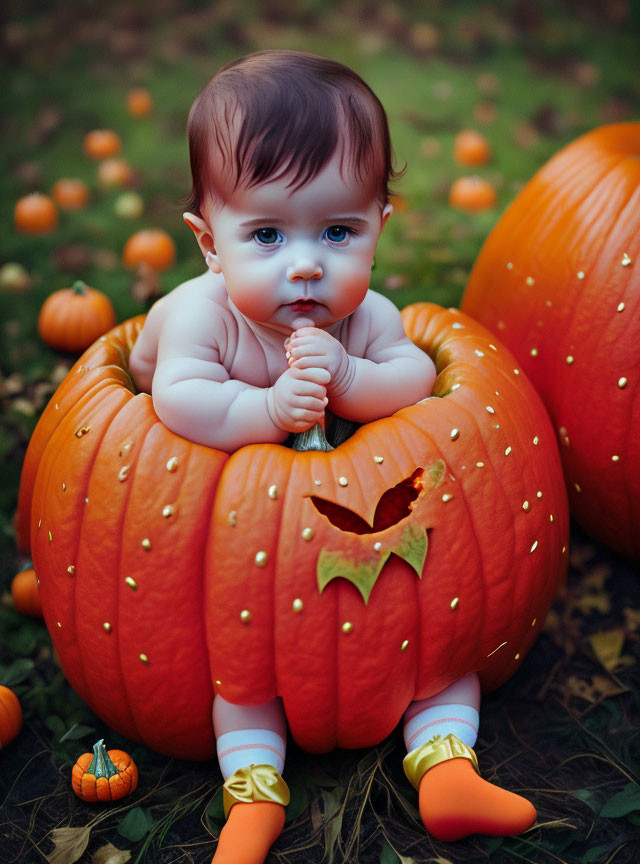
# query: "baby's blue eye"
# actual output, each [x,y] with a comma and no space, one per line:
[268,236]
[337,233]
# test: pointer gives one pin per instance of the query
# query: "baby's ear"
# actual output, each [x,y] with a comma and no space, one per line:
[386,212]
[204,237]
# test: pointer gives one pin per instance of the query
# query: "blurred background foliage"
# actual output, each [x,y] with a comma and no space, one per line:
[530,76]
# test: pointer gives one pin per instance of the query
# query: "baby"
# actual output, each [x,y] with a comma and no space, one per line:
[291,160]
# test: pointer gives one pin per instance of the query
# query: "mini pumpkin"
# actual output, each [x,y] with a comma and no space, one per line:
[151,246]
[71,193]
[104,775]
[114,172]
[102,143]
[472,194]
[71,319]
[25,593]
[35,214]
[471,148]
[10,716]
[558,280]
[352,579]
[139,102]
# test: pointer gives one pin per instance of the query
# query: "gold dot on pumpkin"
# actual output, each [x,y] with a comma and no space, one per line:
[404,645]
[50,537]
[534,546]
[455,387]
[245,616]
[123,473]
[530,280]
[478,353]
[517,657]
[59,624]
[378,459]
[347,627]
[343,481]
[39,522]
[490,409]
[536,441]
[569,359]
[578,487]
[516,371]
[172,464]
[144,658]
[57,407]
[377,546]
[454,603]
[492,346]
[479,464]
[447,497]
[168,510]
[231,518]
[626,260]
[457,325]
[71,569]
[131,583]
[82,431]
[318,482]
[509,265]
[124,447]
[502,644]
[106,627]
[261,558]
[548,304]
[64,487]
[615,458]
[622,383]
[533,623]
[146,544]
[620,307]
[455,434]
[272,492]
[297,605]
[550,517]
[218,683]
[580,274]
[307,533]
[564,549]
[538,494]
[534,352]
[525,506]
[507,451]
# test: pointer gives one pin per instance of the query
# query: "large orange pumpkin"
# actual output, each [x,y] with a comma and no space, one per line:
[558,280]
[427,545]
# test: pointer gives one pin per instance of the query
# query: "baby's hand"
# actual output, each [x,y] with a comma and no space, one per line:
[298,398]
[310,346]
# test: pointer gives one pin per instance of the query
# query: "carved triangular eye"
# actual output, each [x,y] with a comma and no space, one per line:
[393,506]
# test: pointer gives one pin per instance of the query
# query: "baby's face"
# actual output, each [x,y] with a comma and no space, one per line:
[304,256]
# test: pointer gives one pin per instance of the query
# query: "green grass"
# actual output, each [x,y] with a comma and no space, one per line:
[553,71]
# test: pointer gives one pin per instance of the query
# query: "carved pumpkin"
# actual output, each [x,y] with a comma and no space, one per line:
[427,545]
[558,280]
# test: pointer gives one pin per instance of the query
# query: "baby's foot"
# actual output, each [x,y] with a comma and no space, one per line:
[249,833]
[455,801]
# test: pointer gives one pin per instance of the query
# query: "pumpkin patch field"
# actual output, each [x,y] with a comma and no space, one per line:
[95,177]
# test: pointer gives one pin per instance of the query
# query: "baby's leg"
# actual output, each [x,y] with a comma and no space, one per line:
[454,801]
[251,744]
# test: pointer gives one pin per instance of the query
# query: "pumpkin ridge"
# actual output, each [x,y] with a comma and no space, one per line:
[82,518]
[119,582]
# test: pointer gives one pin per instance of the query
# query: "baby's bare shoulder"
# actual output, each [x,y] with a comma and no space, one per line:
[192,296]
[195,315]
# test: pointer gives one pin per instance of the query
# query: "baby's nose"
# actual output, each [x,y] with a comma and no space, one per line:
[303,269]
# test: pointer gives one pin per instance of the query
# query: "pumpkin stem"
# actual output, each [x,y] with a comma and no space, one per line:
[101,764]
[312,439]
[79,287]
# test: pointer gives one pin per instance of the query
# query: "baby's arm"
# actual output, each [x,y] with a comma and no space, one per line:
[142,360]
[194,396]
[395,372]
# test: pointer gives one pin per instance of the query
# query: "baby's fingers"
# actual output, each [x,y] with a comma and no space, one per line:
[315,374]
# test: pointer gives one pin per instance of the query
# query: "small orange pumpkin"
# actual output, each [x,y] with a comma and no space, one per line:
[472,194]
[152,246]
[73,318]
[114,172]
[24,590]
[35,214]
[104,775]
[10,716]
[139,102]
[71,193]
[471,148]
[101,143]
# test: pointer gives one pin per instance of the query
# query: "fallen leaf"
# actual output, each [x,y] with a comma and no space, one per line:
[607,647]
[594,691]
[110,855]
[70,844]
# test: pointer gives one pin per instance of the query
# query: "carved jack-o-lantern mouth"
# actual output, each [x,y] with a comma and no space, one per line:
[393,506]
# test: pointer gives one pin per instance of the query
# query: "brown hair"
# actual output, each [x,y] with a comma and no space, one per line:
[272,113]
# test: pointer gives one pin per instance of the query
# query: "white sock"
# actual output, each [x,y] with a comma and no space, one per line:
[250,747]
[459,720]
